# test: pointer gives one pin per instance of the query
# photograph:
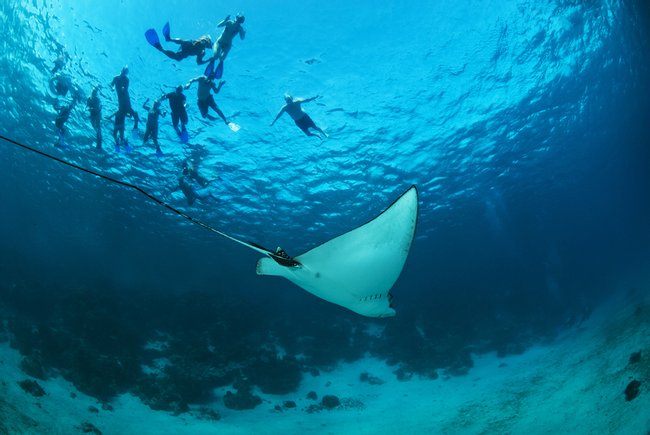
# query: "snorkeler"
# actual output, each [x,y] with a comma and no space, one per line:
[62,116]
[187,181]
[118,131]
[186,48]
[151,131]
[303,121]
[60,61]
[121,85]
[179,113]
[222,46]
[61,84]
[205,99]
[94,106]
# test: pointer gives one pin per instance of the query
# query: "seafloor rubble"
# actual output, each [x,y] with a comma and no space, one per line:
[173,350]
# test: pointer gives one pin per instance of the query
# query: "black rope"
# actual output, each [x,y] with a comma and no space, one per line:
[281,259]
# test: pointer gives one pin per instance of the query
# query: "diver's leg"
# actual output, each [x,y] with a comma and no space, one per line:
[203,109]
[155,142]
[147,134]
[175,119]
[219,112]
[117,143]
[174,55]
[318,129]
[184,119]
[224,52]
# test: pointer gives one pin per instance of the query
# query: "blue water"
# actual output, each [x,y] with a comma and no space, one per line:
[523,124]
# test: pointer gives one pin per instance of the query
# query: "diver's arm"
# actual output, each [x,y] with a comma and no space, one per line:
[218,88]
[200,60]
[225,20]
[307,100]
[242,32]
[188,84]
[159,101]
[279,114]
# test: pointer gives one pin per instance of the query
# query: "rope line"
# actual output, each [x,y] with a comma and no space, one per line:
[281,259]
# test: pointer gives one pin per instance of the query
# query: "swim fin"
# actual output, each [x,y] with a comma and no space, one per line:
[184,136]
[152,38]
[165,31]
[212,73]
[219,71]
[209,70]
[60,143]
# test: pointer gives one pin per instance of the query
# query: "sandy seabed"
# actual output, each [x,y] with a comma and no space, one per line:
[574,385]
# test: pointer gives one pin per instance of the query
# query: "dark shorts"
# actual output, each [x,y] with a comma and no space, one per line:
[204,105]
[124,105]
[152,126]
[305,123]
[181,116]
[151,133]
[95,119]
[119,120]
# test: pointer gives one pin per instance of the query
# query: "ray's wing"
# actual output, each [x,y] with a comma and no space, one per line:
[357,269]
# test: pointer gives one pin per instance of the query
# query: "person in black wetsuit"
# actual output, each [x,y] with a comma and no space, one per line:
[94,106]
[188,48]
[121,85]
[154,113]
[179,113]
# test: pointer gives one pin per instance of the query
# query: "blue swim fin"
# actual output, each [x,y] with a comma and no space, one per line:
[60,143]
[212,73]
[219,71]
[152,38]
[209,70]
[165,31]
[184,136]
